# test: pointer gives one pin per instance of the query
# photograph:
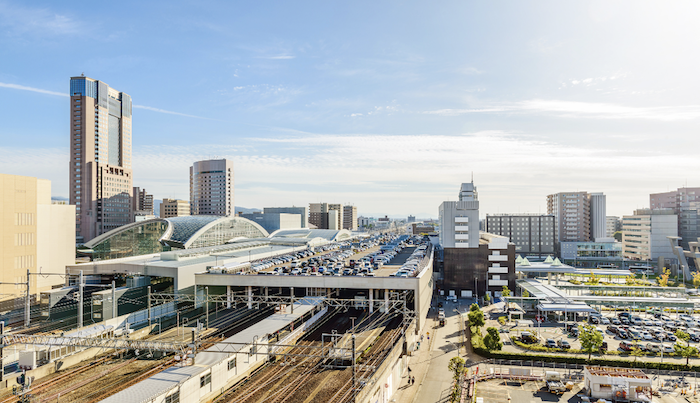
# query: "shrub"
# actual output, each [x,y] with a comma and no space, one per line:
[502,320]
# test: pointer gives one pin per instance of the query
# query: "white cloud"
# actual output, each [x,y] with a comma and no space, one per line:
[39,90]
[388,174]
[38,21]
[148,108]
[573,109]
[280,57]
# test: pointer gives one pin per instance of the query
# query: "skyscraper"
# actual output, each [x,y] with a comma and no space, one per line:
[326,215]
[211,188]
[572,216]
[100,158]
[598,210]
[350,218]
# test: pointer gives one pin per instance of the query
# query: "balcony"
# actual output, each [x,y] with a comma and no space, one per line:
[462,219]
[464,237]
[498,258]
[498,270]
[461,228]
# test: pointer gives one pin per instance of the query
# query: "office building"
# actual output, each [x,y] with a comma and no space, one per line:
[142,202]
[685,203]
[459,220]
[588,254]
[273,221]
[598,211]
[326,215]
[411,219]
[532,234]
[350,218]
[473,263]
[37,236]
[301,211]
[572,216]
[211,188]
[100,174]
[645,234]
[612,225]
[174,208]
[364,222]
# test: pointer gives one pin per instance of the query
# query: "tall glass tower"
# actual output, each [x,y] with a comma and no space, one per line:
[100,157]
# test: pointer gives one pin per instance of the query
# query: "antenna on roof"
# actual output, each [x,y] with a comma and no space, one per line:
[472,177]
[82,74]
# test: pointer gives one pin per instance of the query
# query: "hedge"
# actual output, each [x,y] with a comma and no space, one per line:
[664,366]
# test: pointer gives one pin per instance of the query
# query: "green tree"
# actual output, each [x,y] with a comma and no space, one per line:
[636,352]
[686,351]
[476,316]
[506,291]
[456,366]
[663,278]
[492,340]
[618,236]
[487,298]
[590,339]
[696,279]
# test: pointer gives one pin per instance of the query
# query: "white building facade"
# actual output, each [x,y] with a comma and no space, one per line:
[459,221]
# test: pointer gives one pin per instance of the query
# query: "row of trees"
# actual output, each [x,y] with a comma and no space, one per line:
[492,340]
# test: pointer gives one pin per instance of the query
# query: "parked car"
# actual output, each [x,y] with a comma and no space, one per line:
[563,344]
[653,348]
[615,321]
[550,343]
[626,345]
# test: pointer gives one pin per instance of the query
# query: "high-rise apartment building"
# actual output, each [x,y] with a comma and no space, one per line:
[142,201]
[211,188]
[174,208]
[100,157]
[612,225]
[685,202]
[326,215]
[35,235]
[579,216]
[350,218]
[532,234]
[645,234]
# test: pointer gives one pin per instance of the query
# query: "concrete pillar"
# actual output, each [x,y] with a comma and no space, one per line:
[549,278]
[229,297]
[371,300]
[556,281]
[250,297]
[291,301]
[265,294]
[386,300]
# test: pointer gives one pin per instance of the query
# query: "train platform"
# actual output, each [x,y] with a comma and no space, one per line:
[207,375]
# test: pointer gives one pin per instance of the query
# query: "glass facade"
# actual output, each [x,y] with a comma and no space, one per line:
[177,232]
[138,240]
[227,229]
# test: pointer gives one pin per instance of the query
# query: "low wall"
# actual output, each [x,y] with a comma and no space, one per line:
[387,378]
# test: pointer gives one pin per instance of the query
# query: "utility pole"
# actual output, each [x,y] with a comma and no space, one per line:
[27,304]
[206,304]
[114,300]
[354,389]
[80,300]
[149,306]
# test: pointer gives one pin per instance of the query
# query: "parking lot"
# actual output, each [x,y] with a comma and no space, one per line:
[652,332]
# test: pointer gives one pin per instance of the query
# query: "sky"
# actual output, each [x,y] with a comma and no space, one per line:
[385,105]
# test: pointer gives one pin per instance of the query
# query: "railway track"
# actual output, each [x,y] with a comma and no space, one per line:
[289,380]
[95,385]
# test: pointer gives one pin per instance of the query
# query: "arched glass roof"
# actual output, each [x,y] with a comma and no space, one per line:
[162,234]
[328,234]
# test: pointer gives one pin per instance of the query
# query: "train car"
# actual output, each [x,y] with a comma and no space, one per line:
[129,299]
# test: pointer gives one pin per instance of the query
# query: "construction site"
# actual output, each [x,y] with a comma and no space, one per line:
[186,327]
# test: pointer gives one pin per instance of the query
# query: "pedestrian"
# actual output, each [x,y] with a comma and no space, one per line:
[413,380]
[409,371]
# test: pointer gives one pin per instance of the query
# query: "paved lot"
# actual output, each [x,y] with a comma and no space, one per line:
[555,330]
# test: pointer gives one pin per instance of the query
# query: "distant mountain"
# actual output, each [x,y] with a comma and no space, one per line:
[245,210]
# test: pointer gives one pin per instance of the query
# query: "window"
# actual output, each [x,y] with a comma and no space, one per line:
[232,364]
[174,398]
[205,380]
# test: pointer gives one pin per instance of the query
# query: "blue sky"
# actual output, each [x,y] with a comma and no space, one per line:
[386,105]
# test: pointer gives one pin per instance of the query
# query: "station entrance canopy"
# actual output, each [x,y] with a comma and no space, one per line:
[551,298]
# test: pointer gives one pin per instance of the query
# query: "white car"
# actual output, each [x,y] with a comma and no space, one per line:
[604,321]
[452,298]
